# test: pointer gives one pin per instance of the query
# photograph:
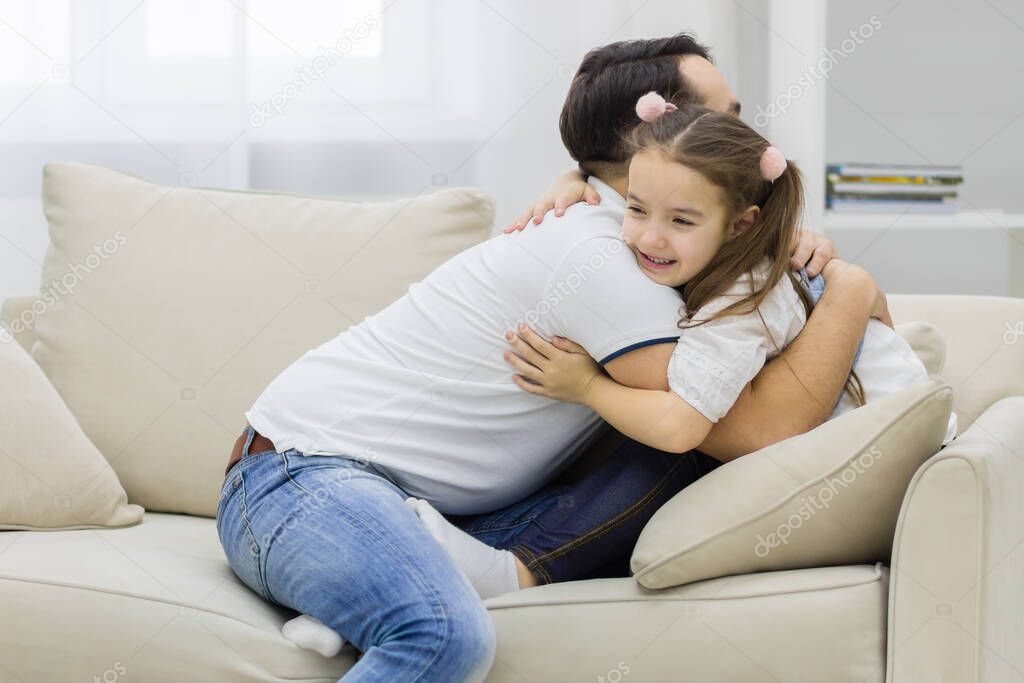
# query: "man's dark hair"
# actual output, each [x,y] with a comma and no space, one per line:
[600,107]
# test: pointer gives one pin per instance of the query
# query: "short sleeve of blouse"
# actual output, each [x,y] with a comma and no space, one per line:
[713,362]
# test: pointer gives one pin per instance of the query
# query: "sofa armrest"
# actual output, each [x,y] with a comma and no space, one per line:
[955,597]
[10,314]
[984,345]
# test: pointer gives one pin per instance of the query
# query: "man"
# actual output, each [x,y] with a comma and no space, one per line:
[417,402]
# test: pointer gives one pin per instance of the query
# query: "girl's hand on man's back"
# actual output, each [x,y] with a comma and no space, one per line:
[568,189]
[560,369]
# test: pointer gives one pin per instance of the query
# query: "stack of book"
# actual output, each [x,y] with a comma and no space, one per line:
[891,188]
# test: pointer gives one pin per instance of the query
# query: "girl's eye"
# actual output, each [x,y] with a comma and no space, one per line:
[681,221]
[636,209]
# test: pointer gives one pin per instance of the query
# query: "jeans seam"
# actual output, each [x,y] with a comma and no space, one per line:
[247,528]
[246,459]
[435,599]
[530,560]
[501,527]
[600,531]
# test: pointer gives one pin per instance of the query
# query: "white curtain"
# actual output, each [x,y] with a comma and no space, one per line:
[360,99]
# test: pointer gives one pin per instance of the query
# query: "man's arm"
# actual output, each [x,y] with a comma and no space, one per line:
[799,388]
[796,391]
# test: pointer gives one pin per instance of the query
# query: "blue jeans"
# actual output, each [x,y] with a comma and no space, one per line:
[328,537]
[585,524]
[331,537]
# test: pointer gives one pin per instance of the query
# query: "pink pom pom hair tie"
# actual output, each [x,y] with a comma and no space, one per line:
[651,106]
[773,163]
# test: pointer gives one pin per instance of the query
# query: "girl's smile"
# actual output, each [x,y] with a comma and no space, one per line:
[654,263]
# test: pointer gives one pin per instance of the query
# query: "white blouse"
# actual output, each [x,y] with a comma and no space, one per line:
[713,362]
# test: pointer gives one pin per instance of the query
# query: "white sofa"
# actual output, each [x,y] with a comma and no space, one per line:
[157,601]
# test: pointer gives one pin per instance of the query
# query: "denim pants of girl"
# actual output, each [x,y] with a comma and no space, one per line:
[333,538]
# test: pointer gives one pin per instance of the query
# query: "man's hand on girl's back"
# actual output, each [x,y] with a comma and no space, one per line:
[813,251]
[853,274]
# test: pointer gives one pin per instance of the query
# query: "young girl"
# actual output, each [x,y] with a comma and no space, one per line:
[713,211]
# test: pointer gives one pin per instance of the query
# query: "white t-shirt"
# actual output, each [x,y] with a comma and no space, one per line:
[886,365]
[713,362]
[421,389]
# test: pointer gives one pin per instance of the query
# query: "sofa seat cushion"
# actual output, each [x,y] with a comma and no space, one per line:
[157,601]
[822,624]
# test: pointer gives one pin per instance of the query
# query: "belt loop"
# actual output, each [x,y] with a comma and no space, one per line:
[250,433]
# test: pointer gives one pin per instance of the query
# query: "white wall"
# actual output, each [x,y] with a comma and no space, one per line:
[940,83]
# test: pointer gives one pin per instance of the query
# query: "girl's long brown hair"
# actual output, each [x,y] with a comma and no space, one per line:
[727,152]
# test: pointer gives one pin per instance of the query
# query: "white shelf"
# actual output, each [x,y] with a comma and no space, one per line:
[989,219]
[967,252]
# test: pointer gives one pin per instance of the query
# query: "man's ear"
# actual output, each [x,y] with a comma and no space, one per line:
[744,221]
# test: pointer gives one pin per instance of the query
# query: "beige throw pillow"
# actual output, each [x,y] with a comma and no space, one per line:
[927,342]
[828,497]
[169,309]
[51,476]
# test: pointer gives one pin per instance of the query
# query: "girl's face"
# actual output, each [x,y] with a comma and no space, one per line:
[676,219]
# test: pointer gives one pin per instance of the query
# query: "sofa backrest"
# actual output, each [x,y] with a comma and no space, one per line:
[984,335]
[984,346]
[165,311]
